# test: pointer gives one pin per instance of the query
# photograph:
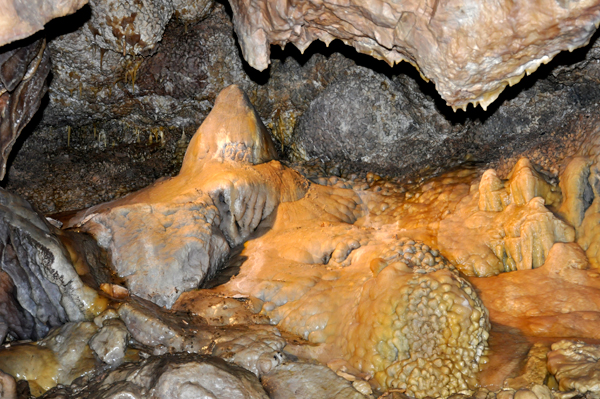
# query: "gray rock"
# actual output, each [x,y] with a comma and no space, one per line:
[24,67]
[136,27]
[14,320]
[110,342]
[161,266]
[388,124]
[257,348]
[169,377]
[47,286]
[367,119]
[307,381]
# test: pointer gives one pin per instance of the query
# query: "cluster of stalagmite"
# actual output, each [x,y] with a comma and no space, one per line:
[529,229]
[470,50]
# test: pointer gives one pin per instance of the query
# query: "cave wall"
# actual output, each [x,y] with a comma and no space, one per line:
[114,118]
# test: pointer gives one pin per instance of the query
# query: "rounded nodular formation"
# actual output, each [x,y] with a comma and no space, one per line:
[403,315]
[428,327]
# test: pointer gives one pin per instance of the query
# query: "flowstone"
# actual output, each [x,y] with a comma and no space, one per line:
[169,237]
[401,313]
[369,272]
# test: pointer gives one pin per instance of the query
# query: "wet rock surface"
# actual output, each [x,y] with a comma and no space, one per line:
[24,66]
[171,376]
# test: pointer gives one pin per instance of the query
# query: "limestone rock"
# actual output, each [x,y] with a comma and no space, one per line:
[169,237]
[307,381]
[61,357]
[491,196]
[24,67]
[466,49]
[171,376]
[69,343]
[525,183]
[577,192]
[256,348]
[559,299]
[366,119]
[535,370]
[127,98]
[510,226]
[129,27]
[232,132]
[136,27]
[221,310]
[14,320]
[110,342]
[351,290]
[575,366]
[160,266]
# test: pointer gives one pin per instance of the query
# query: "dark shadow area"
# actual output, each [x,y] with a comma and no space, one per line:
[69,23]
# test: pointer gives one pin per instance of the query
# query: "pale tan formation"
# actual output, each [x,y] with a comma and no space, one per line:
[471,50]
[511,219]
[581,180]
[20,19]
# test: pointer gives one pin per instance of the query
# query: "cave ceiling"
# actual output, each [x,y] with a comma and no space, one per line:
[471,50]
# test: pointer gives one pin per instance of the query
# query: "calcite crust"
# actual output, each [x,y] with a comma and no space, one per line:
[470,49]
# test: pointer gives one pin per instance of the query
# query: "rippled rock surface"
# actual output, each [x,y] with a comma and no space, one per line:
[43,289]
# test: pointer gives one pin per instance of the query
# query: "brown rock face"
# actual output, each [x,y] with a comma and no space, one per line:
[471,49]
[23,71]
[20,19]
